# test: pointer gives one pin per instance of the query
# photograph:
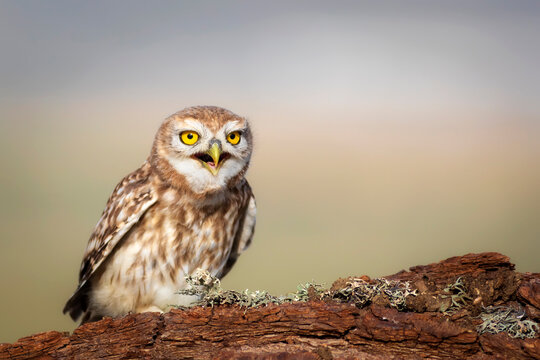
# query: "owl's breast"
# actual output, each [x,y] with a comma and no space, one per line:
[169,242]
[181,239]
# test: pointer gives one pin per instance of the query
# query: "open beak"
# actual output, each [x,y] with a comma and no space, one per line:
[215,153]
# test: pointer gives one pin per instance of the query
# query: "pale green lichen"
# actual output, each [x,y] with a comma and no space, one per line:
[514,322]
[361,292]
[458,295]
[210,293]
[397,292]
[208,289]
[305,292]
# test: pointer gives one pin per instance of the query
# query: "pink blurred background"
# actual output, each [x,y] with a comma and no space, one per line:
[388,133]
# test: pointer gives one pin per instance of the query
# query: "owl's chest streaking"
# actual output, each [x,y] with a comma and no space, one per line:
[171,240]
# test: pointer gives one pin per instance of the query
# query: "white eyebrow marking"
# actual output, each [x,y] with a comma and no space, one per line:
[233,126]
[193,125]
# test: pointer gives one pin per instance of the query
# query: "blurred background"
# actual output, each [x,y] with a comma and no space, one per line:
[388,133]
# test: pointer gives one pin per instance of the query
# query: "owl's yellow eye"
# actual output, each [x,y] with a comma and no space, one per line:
[189,137]
[234,137]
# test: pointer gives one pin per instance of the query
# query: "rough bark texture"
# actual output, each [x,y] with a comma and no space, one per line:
[319,329]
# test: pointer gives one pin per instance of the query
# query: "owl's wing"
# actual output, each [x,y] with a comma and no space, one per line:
[246,228]
[127,204]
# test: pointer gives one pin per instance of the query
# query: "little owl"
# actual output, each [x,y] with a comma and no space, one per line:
[187,207]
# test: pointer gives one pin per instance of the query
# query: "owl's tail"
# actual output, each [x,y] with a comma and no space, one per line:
[78,303]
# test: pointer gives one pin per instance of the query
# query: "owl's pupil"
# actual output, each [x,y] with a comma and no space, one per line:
[190,136]
[233,136]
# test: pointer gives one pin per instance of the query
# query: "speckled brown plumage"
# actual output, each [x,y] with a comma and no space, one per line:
[168,218]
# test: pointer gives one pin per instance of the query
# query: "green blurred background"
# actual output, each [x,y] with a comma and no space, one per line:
[387,133]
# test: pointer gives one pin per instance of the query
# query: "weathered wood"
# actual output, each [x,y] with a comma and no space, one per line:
[318,329]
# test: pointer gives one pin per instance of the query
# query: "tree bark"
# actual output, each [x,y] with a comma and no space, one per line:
[318,329]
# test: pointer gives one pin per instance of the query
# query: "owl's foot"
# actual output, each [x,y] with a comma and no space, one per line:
[151,308]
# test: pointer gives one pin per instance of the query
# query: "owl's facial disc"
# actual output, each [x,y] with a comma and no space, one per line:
[213,159]
[209,148]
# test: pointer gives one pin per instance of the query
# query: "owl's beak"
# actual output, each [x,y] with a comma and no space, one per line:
[213,159]
[215,153]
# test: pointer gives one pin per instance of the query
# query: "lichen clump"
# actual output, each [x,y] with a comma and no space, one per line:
[361,292]
[357,291]
[458,297]
[208,289]
[496,319]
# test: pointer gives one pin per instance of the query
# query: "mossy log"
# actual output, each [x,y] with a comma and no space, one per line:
[429,326]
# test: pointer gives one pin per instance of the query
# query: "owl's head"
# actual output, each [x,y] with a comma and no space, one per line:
[205,148]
